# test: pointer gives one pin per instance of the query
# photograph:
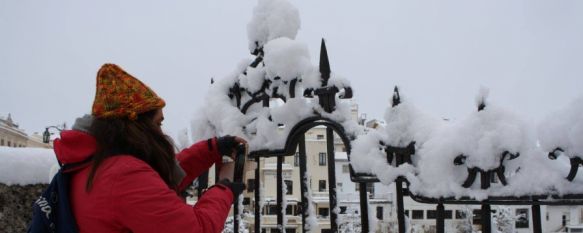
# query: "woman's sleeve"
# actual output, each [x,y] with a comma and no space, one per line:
[145,204]
[197,159]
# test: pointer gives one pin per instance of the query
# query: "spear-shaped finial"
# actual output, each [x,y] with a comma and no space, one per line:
[481,98]
[324,64]
[396,97]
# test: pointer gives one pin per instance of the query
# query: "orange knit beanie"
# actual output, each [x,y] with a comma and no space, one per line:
[120,95]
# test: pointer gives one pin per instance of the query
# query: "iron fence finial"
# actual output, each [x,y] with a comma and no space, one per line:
[324,64]
[396,97]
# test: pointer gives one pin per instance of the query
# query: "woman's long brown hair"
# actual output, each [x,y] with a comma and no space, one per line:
[140,138]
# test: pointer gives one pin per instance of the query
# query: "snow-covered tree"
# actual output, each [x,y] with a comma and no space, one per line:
[466,224]
[230,224]
[505,220]
[350,222]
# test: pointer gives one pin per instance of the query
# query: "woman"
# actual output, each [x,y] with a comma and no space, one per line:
[132,176]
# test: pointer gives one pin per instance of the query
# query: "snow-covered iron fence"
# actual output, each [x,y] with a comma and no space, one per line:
[432,160]
[296,142]
[397,156]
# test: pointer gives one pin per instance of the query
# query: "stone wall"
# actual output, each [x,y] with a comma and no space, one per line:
[16,206]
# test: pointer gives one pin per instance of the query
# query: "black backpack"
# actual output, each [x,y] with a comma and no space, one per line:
[51,212]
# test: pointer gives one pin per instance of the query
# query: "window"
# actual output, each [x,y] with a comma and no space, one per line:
[326,231]
[289,210]
[289,187]
[522,218]
[246,201]
[342,209]
[323,212]
[2,142]
[250,185]
[320,137]
[379,212]
[9,143]
[297,159]
[417,214]
[459,214]
[339,187]
[477,218]
[345,168]
[322,157]
[271,209]
[290,230]
[431,214]
[407,213]
[322,185]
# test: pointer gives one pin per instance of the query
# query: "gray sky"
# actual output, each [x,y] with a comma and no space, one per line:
[529,53]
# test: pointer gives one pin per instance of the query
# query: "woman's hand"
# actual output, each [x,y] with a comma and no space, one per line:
[227,145]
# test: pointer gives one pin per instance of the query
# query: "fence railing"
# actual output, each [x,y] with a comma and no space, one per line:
[396,156]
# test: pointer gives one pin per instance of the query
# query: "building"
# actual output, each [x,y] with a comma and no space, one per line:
[380,198]
[562,218]
[12,136]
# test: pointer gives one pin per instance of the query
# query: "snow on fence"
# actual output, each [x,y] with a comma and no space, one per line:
[272,100]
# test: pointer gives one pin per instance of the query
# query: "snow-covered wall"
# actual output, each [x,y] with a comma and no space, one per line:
[22,166]
[24,174]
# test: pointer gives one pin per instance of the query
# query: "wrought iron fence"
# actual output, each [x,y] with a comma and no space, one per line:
[395,156]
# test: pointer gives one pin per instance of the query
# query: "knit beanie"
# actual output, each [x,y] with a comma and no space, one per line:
[120,95]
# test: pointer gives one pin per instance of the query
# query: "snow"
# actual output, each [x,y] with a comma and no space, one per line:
[311,217]
[564,129]
[482,137]
[272,19]
[284,202]
[23,166]
[286,58]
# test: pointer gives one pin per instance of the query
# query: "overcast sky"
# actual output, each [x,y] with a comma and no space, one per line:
[529,53]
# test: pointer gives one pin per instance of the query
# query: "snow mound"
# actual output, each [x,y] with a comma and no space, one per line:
[23,166]
[272,19]
[564,129]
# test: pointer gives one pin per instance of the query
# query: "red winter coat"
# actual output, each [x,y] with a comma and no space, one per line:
[129,196]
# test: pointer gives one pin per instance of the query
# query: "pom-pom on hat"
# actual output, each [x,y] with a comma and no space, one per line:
[120,95]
